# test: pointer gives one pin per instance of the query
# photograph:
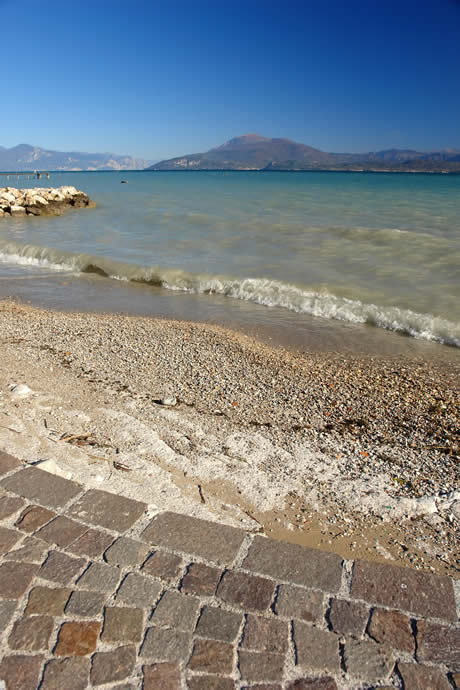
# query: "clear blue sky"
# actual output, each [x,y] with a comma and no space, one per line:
[159,78]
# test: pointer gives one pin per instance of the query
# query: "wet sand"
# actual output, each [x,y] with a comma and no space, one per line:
[356,454]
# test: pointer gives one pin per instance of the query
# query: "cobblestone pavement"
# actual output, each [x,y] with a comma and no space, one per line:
[95,590]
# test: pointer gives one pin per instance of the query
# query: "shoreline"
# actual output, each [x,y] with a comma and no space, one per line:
[338,451]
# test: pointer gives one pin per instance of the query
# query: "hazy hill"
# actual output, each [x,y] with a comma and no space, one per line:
[25,157]
[255,152]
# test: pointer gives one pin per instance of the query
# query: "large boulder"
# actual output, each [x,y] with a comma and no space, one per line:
[17,210]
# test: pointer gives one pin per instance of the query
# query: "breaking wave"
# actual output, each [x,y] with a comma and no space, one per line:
[270,293]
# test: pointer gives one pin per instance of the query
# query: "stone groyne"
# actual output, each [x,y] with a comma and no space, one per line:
[41,201]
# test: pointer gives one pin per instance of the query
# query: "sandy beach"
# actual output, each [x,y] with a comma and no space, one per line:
[352,454]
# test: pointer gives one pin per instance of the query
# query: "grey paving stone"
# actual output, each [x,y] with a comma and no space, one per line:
[8,538]
[315,648]
[85,604]
[7,608]
[218,624]
[122,624]
[100,577]
[47,601]
[260,666]
[247,592]
[126,552]
[109,667]
[296,602]
[296,564]
[59,567]
[8,463]
[166,644]
[417,677]
[33,517]
[61,531]
[438,644]
[212,656]
[265,634]
[15,579]
[21,671]
[31,633]
[42,487]
[9,505]
[175,610]
[138,590]
[403,588]
[92,543]
[61,674]
[201,579]
[165,676]
[348,617]
[368,660]
[216,543]
[166,566]
[107,510]
[31,550]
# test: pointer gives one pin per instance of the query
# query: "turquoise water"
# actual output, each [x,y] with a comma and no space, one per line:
[375,249]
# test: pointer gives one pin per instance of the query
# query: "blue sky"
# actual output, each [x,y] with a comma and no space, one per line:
[162,78]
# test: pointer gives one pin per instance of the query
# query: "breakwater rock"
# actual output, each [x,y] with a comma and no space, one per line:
[41,201]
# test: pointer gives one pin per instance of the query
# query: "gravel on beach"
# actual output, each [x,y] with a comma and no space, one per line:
[345,443]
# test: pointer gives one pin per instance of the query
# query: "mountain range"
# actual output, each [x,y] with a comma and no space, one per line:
[255,152]
[24,157]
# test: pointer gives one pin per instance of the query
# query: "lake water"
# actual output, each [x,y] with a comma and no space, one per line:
[323,259]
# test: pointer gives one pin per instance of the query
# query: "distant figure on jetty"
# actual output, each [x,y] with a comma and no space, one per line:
[124,182]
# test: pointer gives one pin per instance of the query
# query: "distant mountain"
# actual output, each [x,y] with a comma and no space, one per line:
[25,157]
[255,152]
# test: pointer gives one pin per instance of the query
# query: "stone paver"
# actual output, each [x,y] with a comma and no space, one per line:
[108,667]
[9,505]
[21,671]
[31,633]
[47,601]
[247,592]
[348,617]
[34,517]
[102,509]
[295,602]
[212,656]
[418,677]
[42,487]
[92,543]
[392,629]
[123,625]
[163,565]
[316,648]
[295,564]
[403,588]
[256,666]
[85,601]
[218,624]
[66,673]
[216,543]
[201,579]
[100,577]
[59,567]
[126,552]
[164,676]
[438,644]
[15,579]
[77,638]
[138,590]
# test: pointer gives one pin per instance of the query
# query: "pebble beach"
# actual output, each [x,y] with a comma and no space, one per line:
[352,454]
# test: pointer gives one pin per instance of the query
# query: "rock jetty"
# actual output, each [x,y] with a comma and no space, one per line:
[41,201]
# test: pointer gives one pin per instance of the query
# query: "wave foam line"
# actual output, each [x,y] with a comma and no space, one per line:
[270,293]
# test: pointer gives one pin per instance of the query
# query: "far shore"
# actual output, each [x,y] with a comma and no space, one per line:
[355,454]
